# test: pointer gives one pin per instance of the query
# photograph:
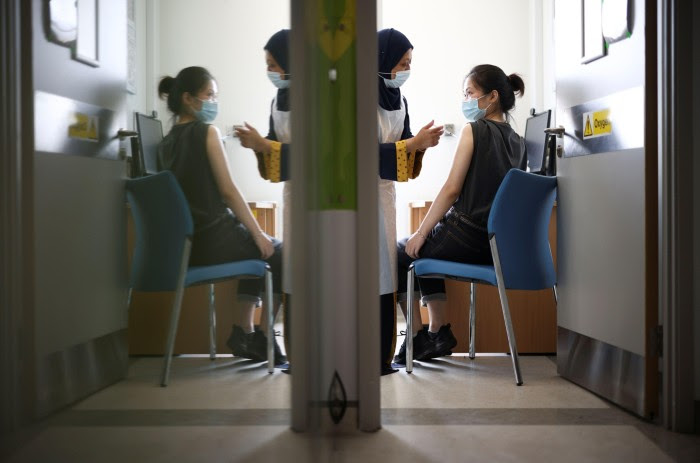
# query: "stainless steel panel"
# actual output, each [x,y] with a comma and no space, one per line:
[607,370]
[55,117]
[73,373]
[600,247]
[80,250]
[626,112]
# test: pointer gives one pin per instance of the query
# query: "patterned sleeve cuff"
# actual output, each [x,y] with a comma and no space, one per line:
[403,162]
[415,163]
[272,162]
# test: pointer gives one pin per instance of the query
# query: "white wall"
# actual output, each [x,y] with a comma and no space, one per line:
[227,38]
[449,38]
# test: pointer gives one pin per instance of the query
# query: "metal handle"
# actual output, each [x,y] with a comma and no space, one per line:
[123,133]
[558,131]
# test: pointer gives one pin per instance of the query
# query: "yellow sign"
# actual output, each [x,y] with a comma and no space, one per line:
[597,124]
[86,127]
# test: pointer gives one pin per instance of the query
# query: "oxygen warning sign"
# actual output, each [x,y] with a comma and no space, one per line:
[597,124]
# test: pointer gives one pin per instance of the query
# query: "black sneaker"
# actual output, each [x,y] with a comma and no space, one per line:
[422,347]
[239,342]
[387,369]
[259,348]
[443,342]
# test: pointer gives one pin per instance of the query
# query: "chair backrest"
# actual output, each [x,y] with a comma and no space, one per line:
[163,223]
[519,219]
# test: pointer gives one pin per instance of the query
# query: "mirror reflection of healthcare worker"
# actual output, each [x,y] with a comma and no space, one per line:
[272,152]
[455,225]
[400,158]
[224,227]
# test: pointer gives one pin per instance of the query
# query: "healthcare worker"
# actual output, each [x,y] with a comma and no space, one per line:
[272,152]
[400,158]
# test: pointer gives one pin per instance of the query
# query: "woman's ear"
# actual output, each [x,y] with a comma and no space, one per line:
[187,99]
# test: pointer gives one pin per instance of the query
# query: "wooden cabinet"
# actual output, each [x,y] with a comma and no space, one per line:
[533,313]
[149,314]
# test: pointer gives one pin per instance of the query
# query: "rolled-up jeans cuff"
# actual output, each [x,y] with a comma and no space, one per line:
[401,297]
[249,299]
[433,297]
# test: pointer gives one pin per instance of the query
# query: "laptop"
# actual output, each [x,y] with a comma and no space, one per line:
[150,132]
[536,141]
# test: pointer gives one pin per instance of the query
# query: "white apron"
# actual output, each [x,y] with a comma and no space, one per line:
[390,130]
[283,131]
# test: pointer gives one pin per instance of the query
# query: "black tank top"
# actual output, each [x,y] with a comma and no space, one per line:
[497,149]
[184,152]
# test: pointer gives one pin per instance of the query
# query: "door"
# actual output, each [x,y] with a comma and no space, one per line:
[79,56]
[607,310]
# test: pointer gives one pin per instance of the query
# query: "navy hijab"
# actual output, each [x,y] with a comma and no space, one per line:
[278,46]
[392,46]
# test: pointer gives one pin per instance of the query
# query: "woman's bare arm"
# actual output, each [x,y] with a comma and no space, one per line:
[448,193]
[230,193]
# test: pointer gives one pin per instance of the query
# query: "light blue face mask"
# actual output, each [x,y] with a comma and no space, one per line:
[277,80]
[208,112]
[471,110]
[398,81]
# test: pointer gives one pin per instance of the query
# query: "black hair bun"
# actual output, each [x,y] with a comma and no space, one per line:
[517,83]
[166,85]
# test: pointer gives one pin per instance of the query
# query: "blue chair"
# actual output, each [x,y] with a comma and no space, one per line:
[522,258]
[164,228]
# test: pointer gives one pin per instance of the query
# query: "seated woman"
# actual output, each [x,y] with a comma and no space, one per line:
[455,226]
[224,227]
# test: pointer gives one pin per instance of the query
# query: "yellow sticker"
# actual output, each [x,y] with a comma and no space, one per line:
[597,124]
[85,127]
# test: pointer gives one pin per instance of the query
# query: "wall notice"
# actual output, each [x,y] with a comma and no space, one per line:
[86,127]
[597,124]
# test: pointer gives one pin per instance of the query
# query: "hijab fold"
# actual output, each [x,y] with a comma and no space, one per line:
[392,46]
[278,46]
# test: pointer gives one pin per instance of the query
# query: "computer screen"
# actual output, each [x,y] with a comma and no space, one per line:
[150,132]
[535,139]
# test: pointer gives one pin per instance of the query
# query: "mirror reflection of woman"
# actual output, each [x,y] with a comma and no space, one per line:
[224,227]
[272,152]
[400,158]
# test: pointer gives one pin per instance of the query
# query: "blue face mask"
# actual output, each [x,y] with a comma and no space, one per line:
[398,81]
[277,80]
[471,110]
[208,112]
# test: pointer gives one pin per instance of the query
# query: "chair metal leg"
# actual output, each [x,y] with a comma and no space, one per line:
[554,288]
[175,315]
[472,320]
[270,322]
[128,298]
[409,319]
[212,324]
[506,312]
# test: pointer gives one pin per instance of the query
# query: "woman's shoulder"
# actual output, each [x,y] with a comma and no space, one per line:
[195,131]
[203,130]
[487,125]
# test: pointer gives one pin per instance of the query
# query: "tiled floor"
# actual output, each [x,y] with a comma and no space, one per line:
[449,410]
